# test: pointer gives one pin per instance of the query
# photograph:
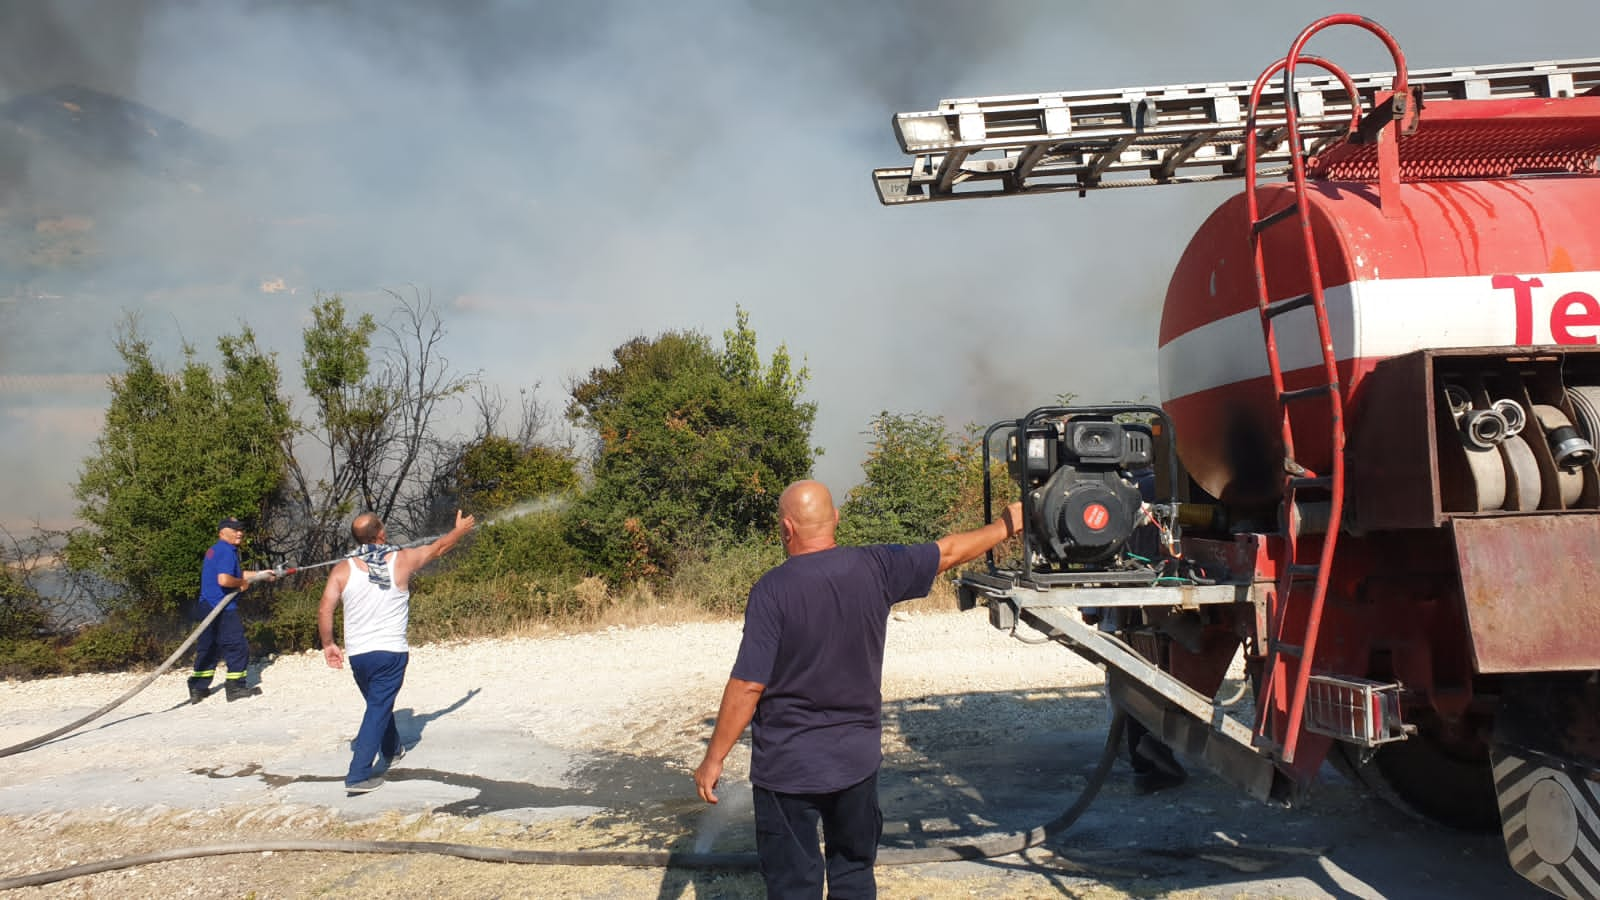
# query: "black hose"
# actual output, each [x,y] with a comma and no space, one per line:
[1001,846]
[1016,843]
[636,858]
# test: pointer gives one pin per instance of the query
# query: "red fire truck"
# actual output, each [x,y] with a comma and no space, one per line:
[1373,464]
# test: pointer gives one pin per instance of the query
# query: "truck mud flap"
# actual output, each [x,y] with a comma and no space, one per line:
[1528,586]
[1550,817]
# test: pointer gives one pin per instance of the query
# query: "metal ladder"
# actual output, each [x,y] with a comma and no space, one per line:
[1294,610]
[1174,134]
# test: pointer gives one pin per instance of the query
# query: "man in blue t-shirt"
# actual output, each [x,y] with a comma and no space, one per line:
[221,576]
[808,676]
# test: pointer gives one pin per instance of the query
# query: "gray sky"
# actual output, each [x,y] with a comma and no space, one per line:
[565,176]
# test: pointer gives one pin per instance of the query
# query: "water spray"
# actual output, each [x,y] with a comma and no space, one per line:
[541,504]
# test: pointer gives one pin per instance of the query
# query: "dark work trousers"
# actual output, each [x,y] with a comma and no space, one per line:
[223,639]
[786,841]
[379,675]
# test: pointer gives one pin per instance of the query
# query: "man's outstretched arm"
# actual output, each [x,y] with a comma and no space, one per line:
[739,700]
[955,549]
[414,558]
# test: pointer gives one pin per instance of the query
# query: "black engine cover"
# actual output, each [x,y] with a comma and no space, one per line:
[1085,516]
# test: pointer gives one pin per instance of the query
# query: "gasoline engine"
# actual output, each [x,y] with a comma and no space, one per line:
[1087,481]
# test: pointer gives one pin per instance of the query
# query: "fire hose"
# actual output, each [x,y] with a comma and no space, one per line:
[182,648]
[1003,845]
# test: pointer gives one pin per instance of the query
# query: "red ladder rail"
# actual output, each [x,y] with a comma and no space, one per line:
[1282,655]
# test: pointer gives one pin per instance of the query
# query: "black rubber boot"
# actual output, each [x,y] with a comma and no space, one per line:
[238,690]
[199,689]
[1156,766]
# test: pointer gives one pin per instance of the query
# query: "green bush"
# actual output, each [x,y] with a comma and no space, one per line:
[530,545]
[108,646]
[717,577]
[29,658]
[913,477]
[21,615]
[454,607]
[687,435]
[291,624]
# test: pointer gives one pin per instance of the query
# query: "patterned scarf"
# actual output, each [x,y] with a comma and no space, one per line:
[374,556]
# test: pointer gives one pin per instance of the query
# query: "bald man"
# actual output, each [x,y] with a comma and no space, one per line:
[809,675]
[375,588]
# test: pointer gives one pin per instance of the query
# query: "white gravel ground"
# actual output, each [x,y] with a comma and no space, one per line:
[588,741]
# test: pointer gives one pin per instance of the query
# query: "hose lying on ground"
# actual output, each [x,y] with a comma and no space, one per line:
[999,846]
[182,648]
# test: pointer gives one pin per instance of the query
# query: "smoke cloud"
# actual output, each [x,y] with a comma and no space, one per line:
[562,176]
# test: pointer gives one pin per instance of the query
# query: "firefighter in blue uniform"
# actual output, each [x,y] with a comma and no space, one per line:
[221,575]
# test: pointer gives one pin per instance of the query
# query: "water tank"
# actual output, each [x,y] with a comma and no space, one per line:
[1468,263]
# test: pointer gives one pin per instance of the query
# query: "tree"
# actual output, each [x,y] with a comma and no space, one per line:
[178,451]
[375,402]
[912,479]
[693,445]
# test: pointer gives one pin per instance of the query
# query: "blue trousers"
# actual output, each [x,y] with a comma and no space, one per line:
[379,675]
[792,864]
[223,639]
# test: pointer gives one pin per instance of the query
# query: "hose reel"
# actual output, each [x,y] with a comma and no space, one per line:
[1502,463]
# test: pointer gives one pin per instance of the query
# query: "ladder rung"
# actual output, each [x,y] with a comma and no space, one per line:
[1272,219]
[1304,569]
[1290,305]
[1321,481]
[1288,649]
[1315,390]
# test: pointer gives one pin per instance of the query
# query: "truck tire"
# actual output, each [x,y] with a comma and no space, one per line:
[1450,784]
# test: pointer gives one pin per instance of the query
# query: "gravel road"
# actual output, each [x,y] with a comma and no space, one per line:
[587,741]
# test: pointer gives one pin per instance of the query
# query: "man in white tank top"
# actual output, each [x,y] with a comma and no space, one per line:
[375,587]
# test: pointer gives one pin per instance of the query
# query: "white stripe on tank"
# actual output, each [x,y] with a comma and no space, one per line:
[1380,319]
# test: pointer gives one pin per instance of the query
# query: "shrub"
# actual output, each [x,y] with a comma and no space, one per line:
[530,545]
[717,577]
[454,607]
[686,434]
[912,480]
[108,646]
[21,609]
[29,658]
[291,624]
